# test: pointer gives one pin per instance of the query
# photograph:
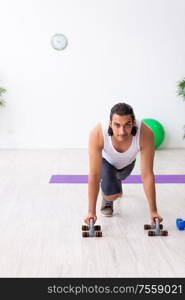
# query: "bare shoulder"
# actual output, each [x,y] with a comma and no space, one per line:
[146,135]
[96,136]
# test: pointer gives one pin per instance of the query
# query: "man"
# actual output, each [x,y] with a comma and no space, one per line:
[112,154]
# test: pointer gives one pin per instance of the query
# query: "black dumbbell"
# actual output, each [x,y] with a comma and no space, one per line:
[96,227]
[91,230]
[151,226]
[156,229]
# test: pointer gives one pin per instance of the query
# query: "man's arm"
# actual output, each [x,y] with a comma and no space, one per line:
[95,162]
[147,175]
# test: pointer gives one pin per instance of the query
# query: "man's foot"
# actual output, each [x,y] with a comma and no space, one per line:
[106,208]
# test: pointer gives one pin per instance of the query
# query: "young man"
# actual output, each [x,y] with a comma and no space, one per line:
[113,149]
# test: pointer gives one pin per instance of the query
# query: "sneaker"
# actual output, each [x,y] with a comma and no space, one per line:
[106,208]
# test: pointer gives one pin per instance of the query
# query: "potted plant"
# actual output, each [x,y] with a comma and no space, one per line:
[2,92]
[181,92]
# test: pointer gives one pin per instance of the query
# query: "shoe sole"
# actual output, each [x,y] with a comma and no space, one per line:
[106,215]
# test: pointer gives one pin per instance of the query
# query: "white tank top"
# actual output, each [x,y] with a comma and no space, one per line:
[120,159]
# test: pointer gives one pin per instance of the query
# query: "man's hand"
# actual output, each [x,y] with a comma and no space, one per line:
[154,215]
[87,218]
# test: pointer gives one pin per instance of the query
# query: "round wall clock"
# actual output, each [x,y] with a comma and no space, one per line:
[59,41]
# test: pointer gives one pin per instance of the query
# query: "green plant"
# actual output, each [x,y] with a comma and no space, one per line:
[2,92]
[181,88]
[181,92]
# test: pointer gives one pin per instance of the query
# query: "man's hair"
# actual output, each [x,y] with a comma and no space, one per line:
[122,109]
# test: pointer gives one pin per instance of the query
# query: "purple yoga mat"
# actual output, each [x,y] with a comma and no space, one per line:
[173,178]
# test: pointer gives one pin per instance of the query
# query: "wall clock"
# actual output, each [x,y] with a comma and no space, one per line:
[59,41]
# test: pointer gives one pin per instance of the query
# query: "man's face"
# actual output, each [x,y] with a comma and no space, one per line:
[121,127]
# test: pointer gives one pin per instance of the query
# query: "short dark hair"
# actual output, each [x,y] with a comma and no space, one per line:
[122,109]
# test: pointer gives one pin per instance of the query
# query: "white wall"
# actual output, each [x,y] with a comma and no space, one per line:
[119,51]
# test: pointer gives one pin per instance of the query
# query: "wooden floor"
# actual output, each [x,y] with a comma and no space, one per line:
[40,223]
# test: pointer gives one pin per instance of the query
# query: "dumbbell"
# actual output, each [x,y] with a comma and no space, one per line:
[91,230]
[152,226]
[156,229]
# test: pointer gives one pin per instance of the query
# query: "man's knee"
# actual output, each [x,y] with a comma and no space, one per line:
[112,197]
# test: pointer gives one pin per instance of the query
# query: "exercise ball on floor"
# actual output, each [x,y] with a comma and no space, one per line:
[158,131]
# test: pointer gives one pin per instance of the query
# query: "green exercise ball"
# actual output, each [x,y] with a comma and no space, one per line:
[158,131]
